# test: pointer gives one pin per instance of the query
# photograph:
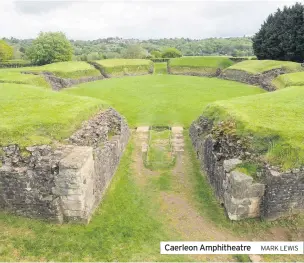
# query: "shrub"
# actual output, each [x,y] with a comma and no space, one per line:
[171,53]
[281,37]
[50,47]
[6,51]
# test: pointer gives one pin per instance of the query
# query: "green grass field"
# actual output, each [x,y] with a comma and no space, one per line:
[260,66]
[275,120]
[162,99]
[121,67]
[31,115]
[287,80]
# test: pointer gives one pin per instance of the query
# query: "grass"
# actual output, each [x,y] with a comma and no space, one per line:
[31,115]
[162,100]
[260,66]
[159,155]
[15,76]
[197,62]
[121,67]
[274,119]
[70,69]
[287,80]
[160,68]
[124,228]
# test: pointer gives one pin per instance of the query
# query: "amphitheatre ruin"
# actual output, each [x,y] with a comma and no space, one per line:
[70,130]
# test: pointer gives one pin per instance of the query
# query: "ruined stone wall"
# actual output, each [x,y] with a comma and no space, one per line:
[274,195]
[64,183]
[264,79]
[58,83]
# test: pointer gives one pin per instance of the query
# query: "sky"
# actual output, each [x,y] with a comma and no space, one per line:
[142,19]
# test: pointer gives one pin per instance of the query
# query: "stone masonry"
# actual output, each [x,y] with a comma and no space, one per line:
[64,183]
[274,195]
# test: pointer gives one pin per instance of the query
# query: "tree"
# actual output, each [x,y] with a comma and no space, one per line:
[156,54]
[6,51]
[134,51]
[281,36]
[50,47]
[171,52]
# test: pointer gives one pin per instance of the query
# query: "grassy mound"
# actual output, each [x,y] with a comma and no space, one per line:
[287,80]
[122,67]
[275,120]
[15,76]
[206,66]
[32,116]
[261,66]
[71,69]
[162,100]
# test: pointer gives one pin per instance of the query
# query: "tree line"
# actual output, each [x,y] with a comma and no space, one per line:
[134,48]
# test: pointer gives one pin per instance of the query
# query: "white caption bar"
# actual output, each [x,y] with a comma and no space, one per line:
[178,247]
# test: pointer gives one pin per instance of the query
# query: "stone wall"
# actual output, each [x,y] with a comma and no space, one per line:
[64,183]
[273,195]
[264,79]
[58,84]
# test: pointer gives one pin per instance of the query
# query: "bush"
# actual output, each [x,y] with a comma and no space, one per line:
[6,51]
[171,53]
[281,37]
[50,47]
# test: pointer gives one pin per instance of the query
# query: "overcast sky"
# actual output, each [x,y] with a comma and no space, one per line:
[134,19]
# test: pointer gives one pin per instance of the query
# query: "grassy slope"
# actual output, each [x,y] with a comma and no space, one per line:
[121,66]
[124,228]
[287,80]
[162,99]
[260,66]
[14,76]
[277,117]
[70,69]
[197,62]
[30,115]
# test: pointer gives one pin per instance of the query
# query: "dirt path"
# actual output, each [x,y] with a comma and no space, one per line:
[175,205]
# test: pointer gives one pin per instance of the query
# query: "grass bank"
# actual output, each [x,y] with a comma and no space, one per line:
[31,115]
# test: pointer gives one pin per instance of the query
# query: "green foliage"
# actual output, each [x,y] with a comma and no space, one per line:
[281,36]
[274,119]
[260,66]
[134,51]
[171,52]
[156,54]
[50,47]
[249,168]
[162,99]
[31,115]
[6,51]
